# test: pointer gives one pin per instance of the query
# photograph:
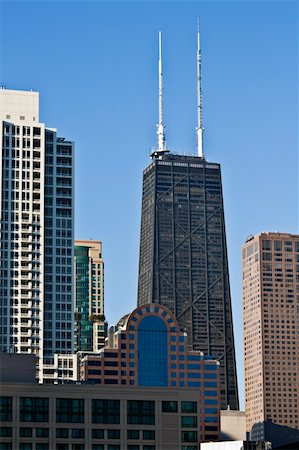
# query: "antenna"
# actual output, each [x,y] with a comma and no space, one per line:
[160,126]
[199,129]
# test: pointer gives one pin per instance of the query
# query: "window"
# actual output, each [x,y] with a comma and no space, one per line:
[6,446]
[132,434]
[148,435]
[97,434]
[170,407]
[113,447]
[106,411]
[69,410]
[5,409]
[62,433]
[78,433]
[25,446]
[25,432]
[133,447]
[188,421]
[62,446]
[5,432]
[141,412]
[34,409]
[42,432]
[41,446]
[153,352]
[97,447]
[113,434]
[188,407]
[148,447]
[78,447]
[189,436]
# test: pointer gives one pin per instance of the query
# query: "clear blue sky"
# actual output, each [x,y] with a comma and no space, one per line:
[95,66]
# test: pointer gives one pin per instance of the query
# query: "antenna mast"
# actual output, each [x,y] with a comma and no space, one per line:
[199,129]
[160,126]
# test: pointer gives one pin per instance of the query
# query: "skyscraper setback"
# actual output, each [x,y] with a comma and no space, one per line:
[183,254]
[36,259]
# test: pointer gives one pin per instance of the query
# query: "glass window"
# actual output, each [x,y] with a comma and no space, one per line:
[153,352]
[62,432]
[26,432]
[170,406]
[78,447]
[62,446]
[133,434]
[148,435]
[148,447]
[25,446]
[78,433]
[141,412]
[189,447]
[69,410]
[133,447]
[113,434]
[42,432]
[188,421]
[113,447]
[42,446]
[106,411]
[97,447]
[5,409]
[188,407]
[97,434]
[189,436]
[34,409]
[6,446]
[5,432]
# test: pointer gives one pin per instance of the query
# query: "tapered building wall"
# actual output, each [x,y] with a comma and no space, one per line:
[183,257]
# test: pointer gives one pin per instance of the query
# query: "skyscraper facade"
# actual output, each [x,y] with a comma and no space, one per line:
[36,259]
[183,257]
[271,333]
[89,296]
[183,254]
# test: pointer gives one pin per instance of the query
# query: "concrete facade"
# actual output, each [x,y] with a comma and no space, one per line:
[233,425]
[81,417]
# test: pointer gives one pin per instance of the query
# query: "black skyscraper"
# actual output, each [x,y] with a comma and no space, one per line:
[183,256]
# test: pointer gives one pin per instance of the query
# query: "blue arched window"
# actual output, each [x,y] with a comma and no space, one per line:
[152,352]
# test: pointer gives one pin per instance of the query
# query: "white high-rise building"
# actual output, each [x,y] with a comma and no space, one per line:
[36,233]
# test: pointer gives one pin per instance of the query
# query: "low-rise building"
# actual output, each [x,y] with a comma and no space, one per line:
[147,348]
[96,417]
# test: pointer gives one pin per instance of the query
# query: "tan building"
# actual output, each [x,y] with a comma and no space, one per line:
[89,296]
[232,425]
[270,264]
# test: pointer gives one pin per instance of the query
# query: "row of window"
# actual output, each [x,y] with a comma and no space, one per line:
[34,409]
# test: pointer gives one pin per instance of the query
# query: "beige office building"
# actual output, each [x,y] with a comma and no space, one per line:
[270,264]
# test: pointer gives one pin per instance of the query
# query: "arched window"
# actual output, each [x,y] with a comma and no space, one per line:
[152,352]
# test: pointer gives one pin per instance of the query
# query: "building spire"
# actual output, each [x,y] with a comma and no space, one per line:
[199,128]
[160,126]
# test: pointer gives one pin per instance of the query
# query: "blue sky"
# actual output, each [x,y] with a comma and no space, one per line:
[95,66]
